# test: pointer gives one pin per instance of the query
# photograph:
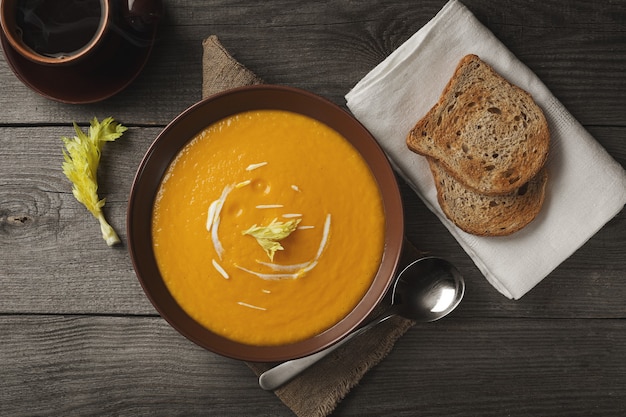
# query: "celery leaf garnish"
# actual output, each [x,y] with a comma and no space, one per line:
[269,236]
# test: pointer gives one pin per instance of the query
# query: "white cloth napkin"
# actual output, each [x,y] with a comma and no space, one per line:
[586,186]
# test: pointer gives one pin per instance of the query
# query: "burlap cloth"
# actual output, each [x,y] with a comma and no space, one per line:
[317,391]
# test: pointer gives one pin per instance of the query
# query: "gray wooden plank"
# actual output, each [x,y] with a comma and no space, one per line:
[81,365]
[524,368]
[327,47]
[118,366]
[54,260]
[53,256]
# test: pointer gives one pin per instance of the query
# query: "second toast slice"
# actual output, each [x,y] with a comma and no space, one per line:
[485,215]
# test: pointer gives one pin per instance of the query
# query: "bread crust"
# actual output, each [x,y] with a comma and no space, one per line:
[487,133]
[484,215]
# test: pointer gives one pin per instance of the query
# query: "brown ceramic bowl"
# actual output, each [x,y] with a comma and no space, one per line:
[184,128]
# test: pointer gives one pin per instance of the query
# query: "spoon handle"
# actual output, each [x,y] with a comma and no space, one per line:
[286,371]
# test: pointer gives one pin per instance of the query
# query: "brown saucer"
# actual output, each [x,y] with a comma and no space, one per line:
[86,81]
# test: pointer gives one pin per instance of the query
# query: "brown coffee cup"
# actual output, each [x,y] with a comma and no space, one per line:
[55,32]
[65,32]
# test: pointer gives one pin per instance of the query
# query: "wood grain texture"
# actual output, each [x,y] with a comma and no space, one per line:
[54,258]
[79,337]
[575,47]
[79,365]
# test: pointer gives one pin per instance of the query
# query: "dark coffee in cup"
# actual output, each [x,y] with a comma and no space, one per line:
[58,28]
[55,32]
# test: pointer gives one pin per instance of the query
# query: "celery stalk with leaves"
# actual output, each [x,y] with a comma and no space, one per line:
[80,166]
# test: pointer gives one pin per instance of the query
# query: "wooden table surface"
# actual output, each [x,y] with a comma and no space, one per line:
[79,337]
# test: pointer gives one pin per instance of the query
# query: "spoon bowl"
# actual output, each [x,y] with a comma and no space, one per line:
[425,290]
[428,289]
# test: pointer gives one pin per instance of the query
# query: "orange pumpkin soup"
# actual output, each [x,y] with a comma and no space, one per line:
[268,227]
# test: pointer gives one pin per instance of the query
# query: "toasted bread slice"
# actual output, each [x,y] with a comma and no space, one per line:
[487,133]
[485,215]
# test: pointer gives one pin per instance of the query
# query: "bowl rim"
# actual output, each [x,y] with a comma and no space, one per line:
[178,133]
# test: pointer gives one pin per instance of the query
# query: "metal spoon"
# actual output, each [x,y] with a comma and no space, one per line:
[426,290]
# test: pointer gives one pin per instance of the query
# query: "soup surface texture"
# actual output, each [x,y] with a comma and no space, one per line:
[268,171]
